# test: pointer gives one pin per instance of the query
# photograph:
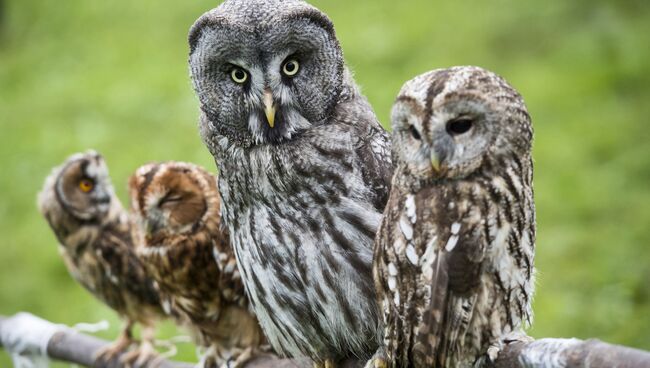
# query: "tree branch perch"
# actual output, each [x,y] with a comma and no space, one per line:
[30,335]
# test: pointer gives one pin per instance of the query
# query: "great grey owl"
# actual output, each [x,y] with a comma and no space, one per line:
[454,253]
[183,246]
[304,172]
[94,234]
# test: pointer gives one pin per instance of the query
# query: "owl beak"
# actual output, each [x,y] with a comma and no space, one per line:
[151,227]
[269,108]
[435,161]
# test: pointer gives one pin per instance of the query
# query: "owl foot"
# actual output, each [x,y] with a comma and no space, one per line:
[108,354]
[207,362]
[328,363]
[378,360]
[144,356]
[376,363]
[238,358]
[490,357]
[211,358]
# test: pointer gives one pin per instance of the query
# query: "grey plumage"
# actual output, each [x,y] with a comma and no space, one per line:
[304,171]
[455,250]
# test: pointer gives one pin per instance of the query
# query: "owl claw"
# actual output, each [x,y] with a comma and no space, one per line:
[493,353]
[328,363]
[380,363]
[493,350]
[144,356]
[216,356]
[111,352]
[378,360]
[376,363]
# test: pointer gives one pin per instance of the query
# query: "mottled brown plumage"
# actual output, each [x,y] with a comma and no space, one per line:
[187,251]
[454,253]
[94,234]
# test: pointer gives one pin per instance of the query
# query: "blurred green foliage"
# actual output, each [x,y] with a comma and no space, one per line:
[112,75]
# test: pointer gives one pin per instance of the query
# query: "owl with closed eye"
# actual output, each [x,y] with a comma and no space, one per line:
[181,242]
[454,255]
[304,172]
[94,234]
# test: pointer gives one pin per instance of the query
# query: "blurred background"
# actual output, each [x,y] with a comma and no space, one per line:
[112,75]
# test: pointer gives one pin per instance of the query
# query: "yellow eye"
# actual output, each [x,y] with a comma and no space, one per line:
[86,185]
[290,68]
[239,75]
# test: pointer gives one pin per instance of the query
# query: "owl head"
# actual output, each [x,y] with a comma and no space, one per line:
[79,188]
[172,198]
[449,123]
[264,70]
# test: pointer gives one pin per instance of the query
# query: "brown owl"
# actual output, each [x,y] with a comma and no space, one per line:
[181,241]
[454,254]
[94,234]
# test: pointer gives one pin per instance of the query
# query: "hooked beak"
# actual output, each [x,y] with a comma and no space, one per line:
[441,149]
[151,227]
[435,161]
[269,108]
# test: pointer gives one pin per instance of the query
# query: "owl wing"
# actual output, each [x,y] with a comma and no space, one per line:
[371,142]
[373,149]
[230,282]
[125,285]
[456,261]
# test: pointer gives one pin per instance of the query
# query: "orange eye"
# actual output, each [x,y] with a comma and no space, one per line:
[86,185]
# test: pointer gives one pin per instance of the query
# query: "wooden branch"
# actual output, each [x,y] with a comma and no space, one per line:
[570,353]
[74,347]
[59,342]
[70,346]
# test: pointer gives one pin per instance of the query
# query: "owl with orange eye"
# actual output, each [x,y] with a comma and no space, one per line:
[95,242]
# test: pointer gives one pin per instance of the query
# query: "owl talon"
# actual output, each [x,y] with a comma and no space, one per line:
[376,363]
[378,360]
[518,336]
[111,352]
[493,350]
[239,358]
[493,353]
[328,363]
[144,356]
[210,359]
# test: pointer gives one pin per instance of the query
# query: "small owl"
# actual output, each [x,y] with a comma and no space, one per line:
[94,234]
[454,253]
[181,241]
[304,172]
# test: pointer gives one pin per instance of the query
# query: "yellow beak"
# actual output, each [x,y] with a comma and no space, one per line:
[435,162]
[269,109]
[149,228]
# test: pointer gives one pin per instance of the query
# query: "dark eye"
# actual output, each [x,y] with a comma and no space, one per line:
[460,126]
[290,67]
[239,75]
[414,132]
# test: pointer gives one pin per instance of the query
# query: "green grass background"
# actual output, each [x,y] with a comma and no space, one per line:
[112,75]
